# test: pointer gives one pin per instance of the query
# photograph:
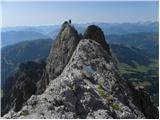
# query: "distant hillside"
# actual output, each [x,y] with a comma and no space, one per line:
[13,55]
[130,55]
[124,28]
[13,37]
[139,67]
[149,42]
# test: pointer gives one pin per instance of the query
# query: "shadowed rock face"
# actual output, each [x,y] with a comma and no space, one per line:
[60,53]
[95,33]
[19,87]
[82,80]
[143,102]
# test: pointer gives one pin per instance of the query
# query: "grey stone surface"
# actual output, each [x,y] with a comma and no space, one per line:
[60,53]
[23,86]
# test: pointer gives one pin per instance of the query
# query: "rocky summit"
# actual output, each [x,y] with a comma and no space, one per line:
[61,51]
[82,80]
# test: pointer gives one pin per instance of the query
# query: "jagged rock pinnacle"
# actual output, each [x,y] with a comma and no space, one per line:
[95,33]
[60,53]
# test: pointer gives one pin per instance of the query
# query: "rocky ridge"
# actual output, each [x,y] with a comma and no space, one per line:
[60,53]
[82,81]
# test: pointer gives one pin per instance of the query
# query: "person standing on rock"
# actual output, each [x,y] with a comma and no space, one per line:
[70,23]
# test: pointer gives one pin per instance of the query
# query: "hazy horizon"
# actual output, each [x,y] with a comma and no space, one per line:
[55,13]
[45,25]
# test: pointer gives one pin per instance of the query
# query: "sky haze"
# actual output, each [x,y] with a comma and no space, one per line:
[47,13]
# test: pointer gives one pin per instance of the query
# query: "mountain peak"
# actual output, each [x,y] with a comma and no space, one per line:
[68,26]
[66,23]
[60,53]
[95,33]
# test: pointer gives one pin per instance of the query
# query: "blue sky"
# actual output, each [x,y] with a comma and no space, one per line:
[46,13]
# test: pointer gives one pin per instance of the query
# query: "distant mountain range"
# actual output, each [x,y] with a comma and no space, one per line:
[12,35]
[149,42]
[18,53]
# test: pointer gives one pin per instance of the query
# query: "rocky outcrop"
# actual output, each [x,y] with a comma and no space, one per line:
[60,53]
[95,33]
[19,87]
[88,85]
[142,100]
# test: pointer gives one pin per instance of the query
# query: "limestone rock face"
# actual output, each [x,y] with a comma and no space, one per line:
[60,53]
[21,86]
[85,85]
[142,100]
